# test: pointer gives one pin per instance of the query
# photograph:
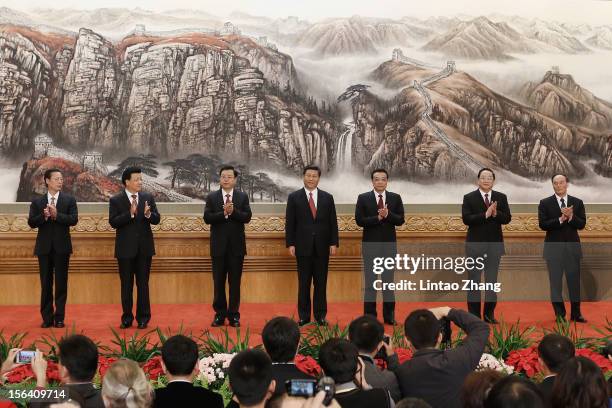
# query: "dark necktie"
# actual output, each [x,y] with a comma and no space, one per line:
[563,203]
[134,204]
[381,204]
[52,200]
[227,199]
[313,209]
[487,202]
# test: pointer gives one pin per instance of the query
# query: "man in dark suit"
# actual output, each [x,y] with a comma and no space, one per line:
[53,214]
[561,216]
[311,234]
[227,210]
[378,212]
[180,363]
[484,211]
[131,213]
[281,338]
[435,375]
[554,351]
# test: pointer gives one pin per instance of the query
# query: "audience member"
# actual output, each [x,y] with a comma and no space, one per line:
[367,334]
[580,384]
[435,375]
[340,360]
[515,392]
[412,403]
[180,363]
[125,385]
[250,377]
[554,351]
[477,386]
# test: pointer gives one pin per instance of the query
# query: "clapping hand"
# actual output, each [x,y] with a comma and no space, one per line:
[47,212]
[52,211]
[228,208]
[568,213]
[147,210]
[492,210]
[383,213]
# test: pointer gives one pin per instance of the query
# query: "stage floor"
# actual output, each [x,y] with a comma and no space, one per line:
[96,320]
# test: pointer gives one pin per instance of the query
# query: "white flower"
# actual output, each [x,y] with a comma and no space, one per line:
[488,361]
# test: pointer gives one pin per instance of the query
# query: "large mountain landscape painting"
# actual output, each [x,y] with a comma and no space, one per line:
[428,93]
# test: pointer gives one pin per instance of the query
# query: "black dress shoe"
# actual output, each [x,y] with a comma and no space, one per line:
[322,322]
[141,326]
[303,322]
[218,321]
[125,325]
[491,320]
[59,325]
[46,325]
[234,322]
[579,319]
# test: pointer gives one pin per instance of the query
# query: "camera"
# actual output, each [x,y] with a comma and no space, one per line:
[24,356]
[446,331]
[308,388]
[382,352]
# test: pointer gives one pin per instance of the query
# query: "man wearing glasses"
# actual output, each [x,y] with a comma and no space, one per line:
[484,211]
[227,210]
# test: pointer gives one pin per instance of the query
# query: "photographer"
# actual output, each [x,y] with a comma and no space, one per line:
[367,334]
[340,360]
[435,375]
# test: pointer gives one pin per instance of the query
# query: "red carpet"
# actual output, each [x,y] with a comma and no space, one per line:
[96,320]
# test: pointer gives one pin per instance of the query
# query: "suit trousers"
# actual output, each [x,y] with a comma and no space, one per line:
[490,270]
[53,265]
[370,294]
[138,267]
[569,264]
[312,269]
[227,268]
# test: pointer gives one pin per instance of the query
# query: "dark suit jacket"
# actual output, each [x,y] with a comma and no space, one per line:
[53,234]
[366,216]
[133,235]
[548,218]
[304,232]
[546,387]
[480,228]
[184,394]
[227,233]
[282,372]
[437,376]
[83,393]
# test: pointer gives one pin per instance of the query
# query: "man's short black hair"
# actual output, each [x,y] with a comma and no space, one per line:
[80,357]
[281,337]
[228,167]
[366,332]
[250,375]
[552,178]
[422,328]
[127,173]
[514,391]
[412,403]
[556,350]
[486,169]
[339,359]
[378,171]
[49,173]
[312,167]
[180,355]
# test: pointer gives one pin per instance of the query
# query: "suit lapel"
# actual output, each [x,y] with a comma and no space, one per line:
[126,200]
[480,200]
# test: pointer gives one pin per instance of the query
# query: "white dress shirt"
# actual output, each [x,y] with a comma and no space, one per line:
[384,196]
[482,193]
[314,195]
[55,197]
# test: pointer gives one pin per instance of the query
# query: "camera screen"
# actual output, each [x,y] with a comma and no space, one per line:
[25,356]
[302,388]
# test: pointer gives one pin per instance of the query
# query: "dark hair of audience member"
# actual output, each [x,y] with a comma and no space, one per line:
[477,386]
[555,350]
[580,384]
[515,392]
[412,403]
[422,328]
[250,375]
[366,332]
[281,337]
[180,355]
[339,360]
[80,357]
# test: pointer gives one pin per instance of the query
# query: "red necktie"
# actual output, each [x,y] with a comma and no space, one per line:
[313,209]
[227,199]
[134,204]
[381,205]
[487,202]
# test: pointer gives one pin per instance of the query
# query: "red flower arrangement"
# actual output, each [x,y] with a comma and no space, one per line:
[104,364]
[601,361]
[307,365]
[525,361]
[24,372]
[153,368]
[402,354]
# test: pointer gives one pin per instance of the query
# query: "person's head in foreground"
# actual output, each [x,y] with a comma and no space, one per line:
[580,383]
[250,377]
[367,334]
[78,359]
[339,360]
[422,329]
[125,385]
[515,392]
[281,337]
[477,386]
[180,357]
[412,403]
[554,351]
